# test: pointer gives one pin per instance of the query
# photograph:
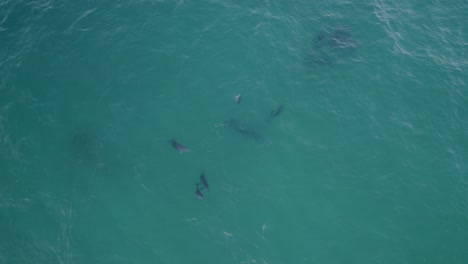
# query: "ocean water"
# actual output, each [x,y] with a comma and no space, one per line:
[366,162]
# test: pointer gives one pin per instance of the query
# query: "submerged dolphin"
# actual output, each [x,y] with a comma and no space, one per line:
[178,146]
[198,193]
[238,98]
[277,112]
[333,45]
[203,181]
[248,132]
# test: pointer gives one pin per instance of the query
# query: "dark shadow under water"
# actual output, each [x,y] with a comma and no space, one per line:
[244,130]
[331,46]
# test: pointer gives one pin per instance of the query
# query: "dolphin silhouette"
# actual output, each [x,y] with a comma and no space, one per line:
[238,98]
[246,131]
[199,194]
[277,112]
[203,181]
[178,146]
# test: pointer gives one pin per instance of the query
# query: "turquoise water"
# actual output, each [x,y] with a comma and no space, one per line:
[367,162]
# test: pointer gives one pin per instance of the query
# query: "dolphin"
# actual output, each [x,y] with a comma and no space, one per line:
[277,112]
[238,98]
[203,181]
[248,132]
[178,146]
[198,193]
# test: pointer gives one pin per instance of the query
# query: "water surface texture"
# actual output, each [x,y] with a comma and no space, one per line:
[349,143]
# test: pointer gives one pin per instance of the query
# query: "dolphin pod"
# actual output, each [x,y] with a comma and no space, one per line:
[235,125]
